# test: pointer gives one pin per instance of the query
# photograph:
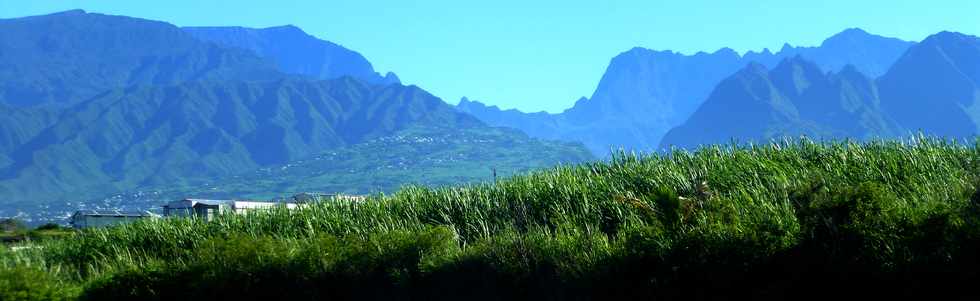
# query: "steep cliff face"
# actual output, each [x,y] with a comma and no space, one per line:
[645,93]
[296,52]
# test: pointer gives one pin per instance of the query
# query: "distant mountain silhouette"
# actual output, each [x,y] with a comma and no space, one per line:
[933,89]
[870,54]
[61,59]
[795,98]
[644,93]
[935,86]
[540,124]
[295,51]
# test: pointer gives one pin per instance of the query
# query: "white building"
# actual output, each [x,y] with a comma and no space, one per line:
[208,209]
[101,218]
[185,207]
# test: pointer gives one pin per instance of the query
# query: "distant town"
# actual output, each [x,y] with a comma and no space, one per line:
[197,208]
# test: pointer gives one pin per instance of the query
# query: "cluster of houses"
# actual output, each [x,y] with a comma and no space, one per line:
[199,208]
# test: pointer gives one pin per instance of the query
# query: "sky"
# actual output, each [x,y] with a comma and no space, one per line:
[538,55]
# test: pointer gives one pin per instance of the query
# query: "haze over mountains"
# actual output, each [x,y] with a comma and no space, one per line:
[295,52]
[93,105]
[644,93]
[96,105]
[935,86]
[795,98]
[931,89]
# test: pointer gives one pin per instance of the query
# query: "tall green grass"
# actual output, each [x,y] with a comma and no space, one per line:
[757,221]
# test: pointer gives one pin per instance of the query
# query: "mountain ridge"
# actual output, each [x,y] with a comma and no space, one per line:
[795,98]
[59,59]
[644,93]
[295,51]
[175,111]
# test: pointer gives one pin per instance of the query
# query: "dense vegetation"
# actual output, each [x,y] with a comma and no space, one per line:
[12,231]
[777,221]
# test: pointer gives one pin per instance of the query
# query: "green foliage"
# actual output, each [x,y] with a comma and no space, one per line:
[763,222]
[26,283]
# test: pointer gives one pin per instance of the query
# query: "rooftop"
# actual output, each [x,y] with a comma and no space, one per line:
[118,213]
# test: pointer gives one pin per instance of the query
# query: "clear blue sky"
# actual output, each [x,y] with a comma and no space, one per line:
[538,55]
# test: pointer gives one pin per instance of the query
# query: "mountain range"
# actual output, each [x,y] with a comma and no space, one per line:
[95,105]
[795,98]
[645,93]
[935,86]
[931,89]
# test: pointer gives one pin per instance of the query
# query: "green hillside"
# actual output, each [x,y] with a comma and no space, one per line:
[192,133]
[95,108]
[772,222]
[416,156]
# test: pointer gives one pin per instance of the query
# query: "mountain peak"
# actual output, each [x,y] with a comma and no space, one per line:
[72,12]
[947,37]
[725,51]
[854,31]
[391,78]
[786,47]
[796,74]
[852,74]
[465,100]
[286,29]
[852,36]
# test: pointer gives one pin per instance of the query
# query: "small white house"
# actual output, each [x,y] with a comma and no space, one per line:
[101,218]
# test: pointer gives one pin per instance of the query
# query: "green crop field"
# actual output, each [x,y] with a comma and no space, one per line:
[777,221]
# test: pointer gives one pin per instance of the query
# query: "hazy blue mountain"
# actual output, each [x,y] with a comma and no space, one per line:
[935,86]
[869,54]
[794,98]
[295,51]
[540,124]
[644,93]
[67,57]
